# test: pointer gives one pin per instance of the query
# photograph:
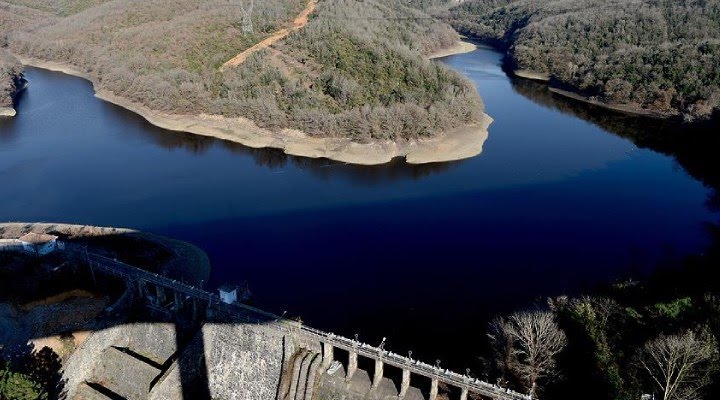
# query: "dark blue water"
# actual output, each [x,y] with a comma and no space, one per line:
[423,255]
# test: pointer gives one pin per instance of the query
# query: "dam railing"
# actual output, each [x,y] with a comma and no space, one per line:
[249,314]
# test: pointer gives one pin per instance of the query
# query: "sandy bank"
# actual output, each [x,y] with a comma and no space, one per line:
[456,144]
[624,108]
[7,112]
[460,47]
[535,76]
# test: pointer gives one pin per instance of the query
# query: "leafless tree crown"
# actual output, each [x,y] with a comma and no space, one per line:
[526,345]
[680,365]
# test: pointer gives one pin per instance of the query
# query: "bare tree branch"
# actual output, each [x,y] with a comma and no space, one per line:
[680,365]
[527,344]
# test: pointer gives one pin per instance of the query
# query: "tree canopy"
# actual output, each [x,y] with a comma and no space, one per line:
[356,70]
[656,55]
[10,72]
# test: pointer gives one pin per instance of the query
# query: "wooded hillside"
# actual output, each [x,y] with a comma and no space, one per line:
[10,72]
[659,55]
[355,70]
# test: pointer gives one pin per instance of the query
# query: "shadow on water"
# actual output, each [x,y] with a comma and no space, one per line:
[693,146]
[8,134]
[59,87]
[276,159]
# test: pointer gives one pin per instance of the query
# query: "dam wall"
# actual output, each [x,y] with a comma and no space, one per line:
[242,362]
[219,350]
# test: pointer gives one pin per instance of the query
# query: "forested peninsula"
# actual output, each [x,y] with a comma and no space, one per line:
[331,78]
[653,57]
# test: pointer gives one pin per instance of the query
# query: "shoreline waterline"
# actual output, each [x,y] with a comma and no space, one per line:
[461,47]
[7,112]
[622,108]
[531,75]
[625,109]
[456,144]
[542,77]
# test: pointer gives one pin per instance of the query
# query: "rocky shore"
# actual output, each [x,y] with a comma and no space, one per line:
[7,112]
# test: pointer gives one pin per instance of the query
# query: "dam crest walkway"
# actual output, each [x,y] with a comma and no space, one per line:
[179,293]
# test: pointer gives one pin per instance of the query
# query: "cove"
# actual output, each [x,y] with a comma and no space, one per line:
[562,198]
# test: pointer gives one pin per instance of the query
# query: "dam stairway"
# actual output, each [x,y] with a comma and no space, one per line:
[300,376]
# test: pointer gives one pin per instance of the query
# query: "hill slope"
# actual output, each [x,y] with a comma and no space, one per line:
[660,56]
[10,79]
[355,71]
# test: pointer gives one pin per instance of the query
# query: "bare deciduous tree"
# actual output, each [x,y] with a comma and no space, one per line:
[526,345]
[680,365]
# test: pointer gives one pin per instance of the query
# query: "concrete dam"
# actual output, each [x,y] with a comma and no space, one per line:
[198,346]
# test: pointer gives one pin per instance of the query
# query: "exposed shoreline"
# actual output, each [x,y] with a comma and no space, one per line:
[535,76]
[461,47]
[614,107]
[456,144]
[546,77]
[7,112]
[626,109]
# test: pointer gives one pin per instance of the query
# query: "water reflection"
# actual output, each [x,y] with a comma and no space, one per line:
[8,133]
[693,146]
[277,160]
[553,204]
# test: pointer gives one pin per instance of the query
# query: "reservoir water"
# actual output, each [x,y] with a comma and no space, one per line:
[561,199]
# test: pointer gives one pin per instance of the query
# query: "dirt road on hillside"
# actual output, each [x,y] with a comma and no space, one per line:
[299,22]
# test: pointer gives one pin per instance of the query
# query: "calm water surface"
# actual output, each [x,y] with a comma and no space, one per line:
[422,255]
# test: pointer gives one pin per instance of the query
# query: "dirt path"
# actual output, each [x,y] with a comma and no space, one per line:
[299,22]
